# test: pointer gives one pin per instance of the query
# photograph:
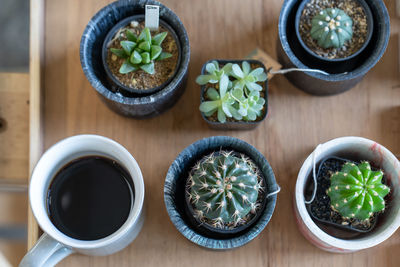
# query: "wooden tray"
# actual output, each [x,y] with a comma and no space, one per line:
[36,99]
[297,122]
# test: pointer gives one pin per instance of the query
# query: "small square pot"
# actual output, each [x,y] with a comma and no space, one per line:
[235,125]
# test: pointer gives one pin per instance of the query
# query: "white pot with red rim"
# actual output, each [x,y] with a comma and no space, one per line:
[363,149]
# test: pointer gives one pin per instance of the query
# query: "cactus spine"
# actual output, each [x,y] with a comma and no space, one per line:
[357,191]
[223,189]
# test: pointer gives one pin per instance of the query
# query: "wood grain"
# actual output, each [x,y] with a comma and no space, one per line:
[297,122]
[14,138]
[14,147]
[14,157]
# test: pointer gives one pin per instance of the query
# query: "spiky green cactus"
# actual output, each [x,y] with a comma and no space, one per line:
[332,27]
[223,189]
[357,191]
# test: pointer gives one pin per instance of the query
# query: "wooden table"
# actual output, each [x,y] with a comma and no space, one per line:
[297,122]
[14,157]
[14,125]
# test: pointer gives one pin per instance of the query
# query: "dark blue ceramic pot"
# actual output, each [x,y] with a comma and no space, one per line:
[174,191]
[235,125]
[292,54]
[130,104]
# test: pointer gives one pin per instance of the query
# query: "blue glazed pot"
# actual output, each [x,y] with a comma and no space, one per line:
[129,104]
[291,53]
[235,125]
[174,191]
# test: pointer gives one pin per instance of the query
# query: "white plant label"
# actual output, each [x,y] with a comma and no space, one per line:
[152,17]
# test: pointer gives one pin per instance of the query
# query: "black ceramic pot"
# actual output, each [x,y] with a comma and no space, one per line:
[235,125]
[291,53]
[129,104]
[212,232]
[336,65]
[174,192]
[115,84]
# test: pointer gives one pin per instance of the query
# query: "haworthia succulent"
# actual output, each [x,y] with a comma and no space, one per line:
[141,52]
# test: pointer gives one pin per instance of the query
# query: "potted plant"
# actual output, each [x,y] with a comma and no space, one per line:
[233,96]
[137,60]
[135,92]
[350,195]
[353,201]
[224,193]
[305,42]
[334,33]
[220,192]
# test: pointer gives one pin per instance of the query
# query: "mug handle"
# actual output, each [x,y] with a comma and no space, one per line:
[47,252]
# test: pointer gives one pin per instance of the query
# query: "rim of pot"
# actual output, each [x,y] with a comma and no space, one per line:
[370,25]
[370,62]
[235,61]
[87,44]
[238,229]
[176,170]
[369,239]
[104,53]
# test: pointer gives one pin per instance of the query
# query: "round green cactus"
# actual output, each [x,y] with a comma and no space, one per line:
[223,189]
[332,27]
[357,191]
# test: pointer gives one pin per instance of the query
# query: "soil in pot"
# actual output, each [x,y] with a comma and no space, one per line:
[139,79]
[320,209]
[360,27]
[214,117]
[223,197]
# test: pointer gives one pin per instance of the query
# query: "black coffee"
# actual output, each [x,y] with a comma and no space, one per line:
[90,198]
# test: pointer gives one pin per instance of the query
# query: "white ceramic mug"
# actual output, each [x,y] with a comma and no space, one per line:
[54,245]
[364,149]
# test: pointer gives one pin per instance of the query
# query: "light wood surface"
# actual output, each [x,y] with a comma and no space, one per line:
[14,138]
[36,99]
[398,8]
[297,122]
[14,146]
